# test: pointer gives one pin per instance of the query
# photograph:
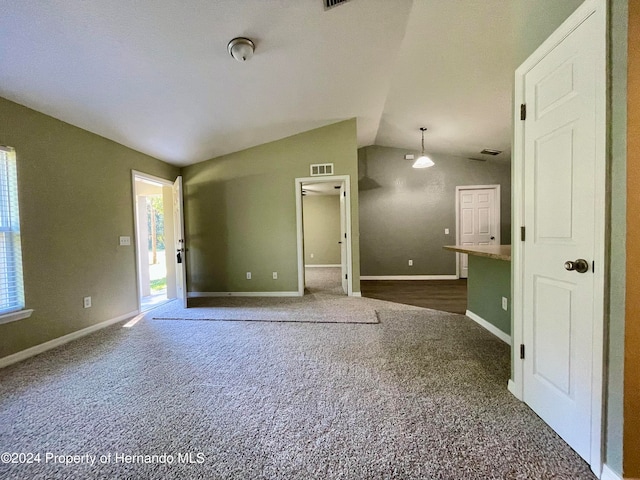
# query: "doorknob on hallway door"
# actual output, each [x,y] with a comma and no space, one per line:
[580,265]
[493,238]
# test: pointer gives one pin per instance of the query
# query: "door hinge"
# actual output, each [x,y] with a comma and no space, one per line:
[593,266]
[345,235]
[522,233]
[523,111]
[522,351]
[346,277]
[344,194]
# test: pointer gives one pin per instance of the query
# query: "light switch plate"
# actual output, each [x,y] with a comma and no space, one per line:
[125,241]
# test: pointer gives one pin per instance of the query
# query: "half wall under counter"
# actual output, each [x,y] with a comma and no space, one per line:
[488,283]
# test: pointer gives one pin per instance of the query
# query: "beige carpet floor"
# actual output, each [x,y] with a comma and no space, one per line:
[420,395]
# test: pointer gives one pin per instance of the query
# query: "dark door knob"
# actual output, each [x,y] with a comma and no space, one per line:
[580,265]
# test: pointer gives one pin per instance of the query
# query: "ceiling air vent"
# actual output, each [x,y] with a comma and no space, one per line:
[328,4]
[319,169]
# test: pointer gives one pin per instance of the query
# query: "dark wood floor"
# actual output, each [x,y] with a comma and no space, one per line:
[445,295]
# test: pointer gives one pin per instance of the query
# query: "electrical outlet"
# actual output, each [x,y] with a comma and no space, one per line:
[446,231]
[411,263]
[125,241]
[87,302]
[275,275]
[248,275]
[504,303]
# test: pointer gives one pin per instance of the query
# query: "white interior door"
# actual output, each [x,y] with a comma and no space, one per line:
[178,224]
[559,212]
[478,220]
[343,238]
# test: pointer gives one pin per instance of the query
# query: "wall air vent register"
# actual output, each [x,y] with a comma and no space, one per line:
[320,169]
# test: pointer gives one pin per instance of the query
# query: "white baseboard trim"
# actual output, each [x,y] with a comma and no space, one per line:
[356,294]
[242,294]
[56,342]
[409,277]
[492,328]
[511,386]
[514,390]
[608,474]
[323,266]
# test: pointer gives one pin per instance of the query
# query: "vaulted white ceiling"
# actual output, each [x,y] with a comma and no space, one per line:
[155,75]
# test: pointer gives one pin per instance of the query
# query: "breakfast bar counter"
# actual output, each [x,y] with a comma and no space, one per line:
[489,287]
[499,252]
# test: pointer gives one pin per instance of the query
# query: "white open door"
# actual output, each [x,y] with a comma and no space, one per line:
[343,238]
[478,214]
[561,135]
[179,258]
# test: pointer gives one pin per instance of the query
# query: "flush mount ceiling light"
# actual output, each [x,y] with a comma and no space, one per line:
[241,48]
[423,161]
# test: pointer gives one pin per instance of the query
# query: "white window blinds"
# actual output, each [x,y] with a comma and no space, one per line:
[11,286]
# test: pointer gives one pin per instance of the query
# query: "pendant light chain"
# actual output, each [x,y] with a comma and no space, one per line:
[423,161]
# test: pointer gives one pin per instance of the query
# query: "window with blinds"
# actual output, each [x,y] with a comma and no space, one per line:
[11,286]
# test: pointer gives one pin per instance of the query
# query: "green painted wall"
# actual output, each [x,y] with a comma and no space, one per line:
[321,217]
[490,280]
[617,268]
[404,211]
[75,201]
[536,20]
[240,212]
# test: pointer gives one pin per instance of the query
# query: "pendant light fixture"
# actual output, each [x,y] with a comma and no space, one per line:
[241,48]
[423,161]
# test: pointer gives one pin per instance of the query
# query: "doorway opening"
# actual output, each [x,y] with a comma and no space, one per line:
[158,231]
[152,225]
[322,240]
[324,233]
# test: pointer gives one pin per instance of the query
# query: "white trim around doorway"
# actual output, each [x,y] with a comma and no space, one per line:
[135,174]
[345,180]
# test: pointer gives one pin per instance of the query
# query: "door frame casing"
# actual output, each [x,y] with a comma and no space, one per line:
[516,384]
[299,182]
[497,220]
[135,174]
